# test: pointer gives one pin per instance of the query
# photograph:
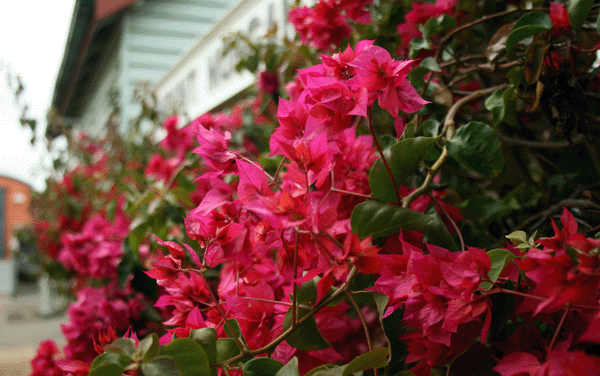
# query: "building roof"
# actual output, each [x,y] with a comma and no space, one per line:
[163,31]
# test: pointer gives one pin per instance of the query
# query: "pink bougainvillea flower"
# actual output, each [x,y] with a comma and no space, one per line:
[560,19]
[558,362]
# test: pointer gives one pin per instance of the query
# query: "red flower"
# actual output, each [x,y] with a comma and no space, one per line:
[560,19]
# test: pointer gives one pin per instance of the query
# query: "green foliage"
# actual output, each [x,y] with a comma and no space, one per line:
[189,356]
[403,157]
[476,147]
[578,12]
[527,26]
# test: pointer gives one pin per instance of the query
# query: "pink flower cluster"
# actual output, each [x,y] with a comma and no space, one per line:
[268,233]
[325,25]
[419,15]
[96,250]
[564,283]
[95,310]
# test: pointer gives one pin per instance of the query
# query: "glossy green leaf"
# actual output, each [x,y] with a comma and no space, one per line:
[237,331]
[108,369]
[149,346]
[528,25]
[503,106]
[380,220]
[500,259]
[476,147]
[290,368]
[371,360]
[189,356]
[324,369]
[206,337]
[122,345]
[111,358]
[437,233]
[541,19]
[578,12]
[227,348]
[520,34]
[262,367]
[307,336]
[403,158]
[161,366]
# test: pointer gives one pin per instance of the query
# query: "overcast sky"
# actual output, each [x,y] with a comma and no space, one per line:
[33,37]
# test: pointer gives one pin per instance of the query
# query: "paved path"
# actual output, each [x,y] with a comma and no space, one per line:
[22,328]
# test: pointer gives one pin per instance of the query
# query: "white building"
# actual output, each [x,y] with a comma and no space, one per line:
[172,47]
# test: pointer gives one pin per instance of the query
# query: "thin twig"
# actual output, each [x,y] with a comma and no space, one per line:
[342,290]
[243,348]
[560,324]
[540,144]
[383,159]
[463,247]
[362,318]
[449,127]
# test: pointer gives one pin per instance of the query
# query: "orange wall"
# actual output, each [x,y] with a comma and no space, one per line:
[16,204]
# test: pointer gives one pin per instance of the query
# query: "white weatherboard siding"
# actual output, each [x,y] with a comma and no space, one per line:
[156,34]
[97,108]
[203,78]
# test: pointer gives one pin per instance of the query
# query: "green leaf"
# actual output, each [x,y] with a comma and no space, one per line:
[541,19]
[122,345]
[528,25]
[430,64]
[437,233]
[380,220]
[189,356]
[307,336]
[119,359]
[149,346]
[403,157]
[503,105]
[500,259]
[578,12]
[237,331]
[161,366]
[517,238]
[207,338]
[325,369]
[108,369]
[521,33]
[262,367]
[227,348]
[476,147]
[290,368]
[371,360]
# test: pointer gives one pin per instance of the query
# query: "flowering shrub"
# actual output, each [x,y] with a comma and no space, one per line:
[380,218]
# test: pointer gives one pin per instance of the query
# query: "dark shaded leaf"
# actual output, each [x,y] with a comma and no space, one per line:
[371,360]
[189,356]
[476,147]
[578,12]
[262,367]
[107,370]
[403,158]
[307,336]
[161,366]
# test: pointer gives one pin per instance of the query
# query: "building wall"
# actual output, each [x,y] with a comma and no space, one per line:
[17,197]
[204,78]
[98,107]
